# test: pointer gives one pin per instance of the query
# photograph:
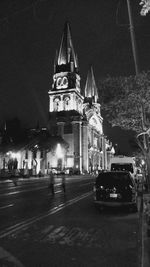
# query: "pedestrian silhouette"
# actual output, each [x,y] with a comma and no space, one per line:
[15,182]
[63,181]
[14,178]
[51,182]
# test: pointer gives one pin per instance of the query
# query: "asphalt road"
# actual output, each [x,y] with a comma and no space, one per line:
[39,230]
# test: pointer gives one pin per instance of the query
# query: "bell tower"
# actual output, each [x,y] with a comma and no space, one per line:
[66,101]
[94,131]
[65,94]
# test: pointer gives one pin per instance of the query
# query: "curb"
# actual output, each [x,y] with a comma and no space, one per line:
[146,210]
[146,230]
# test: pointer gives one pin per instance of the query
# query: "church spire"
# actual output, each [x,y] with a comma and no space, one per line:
[91,92]
[66,56]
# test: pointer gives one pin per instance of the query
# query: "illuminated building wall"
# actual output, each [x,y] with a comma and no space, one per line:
[77,112]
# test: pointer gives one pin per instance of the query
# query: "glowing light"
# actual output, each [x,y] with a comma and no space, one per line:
[143,162]
[15,155]
[59,152]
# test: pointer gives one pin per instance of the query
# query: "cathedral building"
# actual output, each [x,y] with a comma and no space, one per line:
[75,112]
[74,138]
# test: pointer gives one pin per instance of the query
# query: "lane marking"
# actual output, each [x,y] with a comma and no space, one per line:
[7,206]
[56,192]
[26,223]
[39,188]
[73,236]
[85,184]
[28,190]
[23,191]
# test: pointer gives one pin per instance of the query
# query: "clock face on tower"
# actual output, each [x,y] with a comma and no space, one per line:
[62,82]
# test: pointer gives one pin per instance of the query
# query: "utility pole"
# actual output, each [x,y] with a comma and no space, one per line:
[133,41]
[135,56]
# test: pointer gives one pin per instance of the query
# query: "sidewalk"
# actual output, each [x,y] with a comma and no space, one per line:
[146,230]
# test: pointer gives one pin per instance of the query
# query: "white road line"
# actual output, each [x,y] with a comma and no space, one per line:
[86,184]
[7,206]
[56,192]
[28,190]
[26,223]
[23,191]
[33,189]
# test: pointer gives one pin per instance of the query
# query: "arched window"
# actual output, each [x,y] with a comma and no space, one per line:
[66,103]
[76,99]
[65,82]
[80,105]
[56,104]
[58,83]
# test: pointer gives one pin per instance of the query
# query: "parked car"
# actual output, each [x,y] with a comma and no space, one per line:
[115,189]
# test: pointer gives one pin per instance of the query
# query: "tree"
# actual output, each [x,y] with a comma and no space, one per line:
[44,142]
[145,7]
[126,103]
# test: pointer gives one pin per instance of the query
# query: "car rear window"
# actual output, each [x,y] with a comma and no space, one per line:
[114,178]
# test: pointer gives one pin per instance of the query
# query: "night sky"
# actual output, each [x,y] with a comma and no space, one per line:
[31,31]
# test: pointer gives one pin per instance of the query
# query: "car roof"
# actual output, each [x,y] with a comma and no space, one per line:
[125,172]
[114,173]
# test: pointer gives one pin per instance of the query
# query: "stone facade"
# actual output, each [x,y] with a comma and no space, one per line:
[74,113]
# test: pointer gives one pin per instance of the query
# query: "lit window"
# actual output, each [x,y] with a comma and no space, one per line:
[34,154]
[58,84]
[42,154]
[26,154]
[56,104]
[66,103]
[65,82]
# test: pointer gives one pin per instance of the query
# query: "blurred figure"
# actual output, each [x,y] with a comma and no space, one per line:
[51,182]
[14,181]
[14,177]
[64,181]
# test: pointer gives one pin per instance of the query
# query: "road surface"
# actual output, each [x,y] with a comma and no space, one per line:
[39,230]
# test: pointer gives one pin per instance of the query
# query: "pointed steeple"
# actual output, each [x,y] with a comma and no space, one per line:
[5,126]
[90,87]
[55,60]
[6,138]
[66,55]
